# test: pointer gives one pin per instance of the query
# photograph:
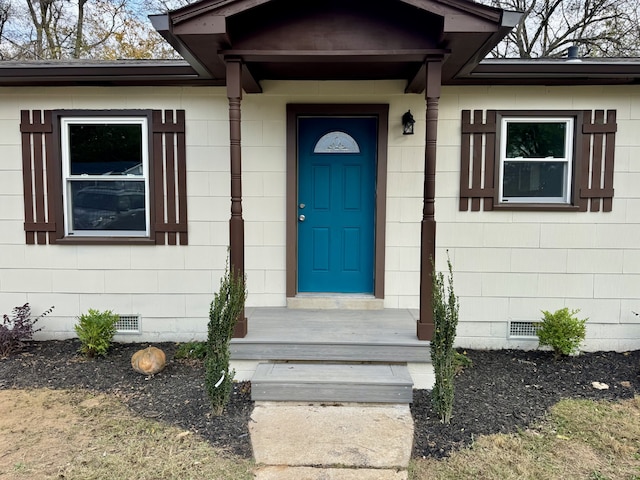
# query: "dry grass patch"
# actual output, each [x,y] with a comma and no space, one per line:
[49,434]
[581,439]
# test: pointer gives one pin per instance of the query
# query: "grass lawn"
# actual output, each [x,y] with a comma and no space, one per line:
[53,434]
[581,439]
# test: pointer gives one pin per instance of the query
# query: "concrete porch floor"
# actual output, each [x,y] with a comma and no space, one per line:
[332,325]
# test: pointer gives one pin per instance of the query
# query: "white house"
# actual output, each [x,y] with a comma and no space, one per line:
[280,134]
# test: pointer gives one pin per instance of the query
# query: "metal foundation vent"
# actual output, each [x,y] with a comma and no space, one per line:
[128,324]
[523,330]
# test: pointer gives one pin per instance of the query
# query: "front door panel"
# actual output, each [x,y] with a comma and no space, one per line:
[336,204]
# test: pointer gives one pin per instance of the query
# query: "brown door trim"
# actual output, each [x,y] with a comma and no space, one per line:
[381,112]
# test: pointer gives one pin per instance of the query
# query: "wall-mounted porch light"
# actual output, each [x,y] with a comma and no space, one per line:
[407,123]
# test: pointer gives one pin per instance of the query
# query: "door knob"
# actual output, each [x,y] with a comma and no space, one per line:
[302,218]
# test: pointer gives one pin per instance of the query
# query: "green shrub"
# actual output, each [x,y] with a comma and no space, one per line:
[95,331]
[225,309]
[445,318]
[461,362]
[191,351]
[562,331]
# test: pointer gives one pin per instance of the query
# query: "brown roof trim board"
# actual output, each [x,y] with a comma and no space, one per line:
[553,71]
[178,72]
[101,72]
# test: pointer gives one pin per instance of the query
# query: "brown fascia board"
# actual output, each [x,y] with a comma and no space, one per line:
[484,11]
[96,73]
[508,20]
[232,7]
[163,26]
[224,8]
[516,71]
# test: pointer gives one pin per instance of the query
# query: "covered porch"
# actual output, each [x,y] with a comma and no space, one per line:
[241,44]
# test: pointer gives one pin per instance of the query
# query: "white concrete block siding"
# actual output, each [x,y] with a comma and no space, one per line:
[508,265]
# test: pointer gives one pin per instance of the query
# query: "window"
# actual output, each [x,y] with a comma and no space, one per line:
[105,169]
[104,176]
[536,158]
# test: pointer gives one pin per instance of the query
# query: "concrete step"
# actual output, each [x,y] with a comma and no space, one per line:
[318,473]
[332,382]
[350,436]
[330,351]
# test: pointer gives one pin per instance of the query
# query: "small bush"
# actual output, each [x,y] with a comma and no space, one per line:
[227,305]
[562,331]
[191,351]
[461,362]
[445,318]
[18,329]
[95,331]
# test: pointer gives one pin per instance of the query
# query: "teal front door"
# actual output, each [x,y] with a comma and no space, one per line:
[336,204]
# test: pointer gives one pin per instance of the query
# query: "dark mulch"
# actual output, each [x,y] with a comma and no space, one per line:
[504,390]
[176,395]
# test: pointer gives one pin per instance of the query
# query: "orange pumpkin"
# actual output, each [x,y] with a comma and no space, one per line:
[149,361]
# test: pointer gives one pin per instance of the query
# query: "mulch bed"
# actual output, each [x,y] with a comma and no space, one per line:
[504,391]
[507,390]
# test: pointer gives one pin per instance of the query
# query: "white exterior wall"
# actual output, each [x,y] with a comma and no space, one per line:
[170,287]
[507,265]
[510,265]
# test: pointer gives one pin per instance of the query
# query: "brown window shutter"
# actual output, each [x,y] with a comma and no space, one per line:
[476,182]
[169,182]
[39,167]
[597,161]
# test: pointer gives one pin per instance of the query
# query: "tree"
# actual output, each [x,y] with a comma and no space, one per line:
[162,6]
[5,14]
[45,17]
[600,28]
[135,40]
[60,29]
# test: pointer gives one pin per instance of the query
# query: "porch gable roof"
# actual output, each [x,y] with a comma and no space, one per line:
[334,39]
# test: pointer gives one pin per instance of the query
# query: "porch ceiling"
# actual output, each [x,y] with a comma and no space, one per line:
[334,39]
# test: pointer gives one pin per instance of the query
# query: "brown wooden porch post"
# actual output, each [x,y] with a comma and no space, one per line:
[236,223]
[428,230]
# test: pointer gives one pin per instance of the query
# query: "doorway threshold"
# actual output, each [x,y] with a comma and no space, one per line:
[335,301]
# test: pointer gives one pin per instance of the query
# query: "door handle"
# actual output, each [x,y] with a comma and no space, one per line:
[302,218]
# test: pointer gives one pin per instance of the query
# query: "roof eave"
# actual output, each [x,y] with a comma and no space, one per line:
[509,19]
[124,73]
[558,72]
[162,24]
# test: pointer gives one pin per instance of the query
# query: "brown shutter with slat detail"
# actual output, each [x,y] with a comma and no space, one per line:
[169,178]
[598,146]
[482,179]
[38,167]
[594,161]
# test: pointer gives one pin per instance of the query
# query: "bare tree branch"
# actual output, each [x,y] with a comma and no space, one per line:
[548,27]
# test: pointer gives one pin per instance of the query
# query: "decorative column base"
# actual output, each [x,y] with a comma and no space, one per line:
[425,330]
[241,328]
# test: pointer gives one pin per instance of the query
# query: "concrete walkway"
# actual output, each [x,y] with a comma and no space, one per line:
[331,442]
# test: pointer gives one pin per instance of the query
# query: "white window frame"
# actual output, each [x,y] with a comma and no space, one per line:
[568,159]
[67,177]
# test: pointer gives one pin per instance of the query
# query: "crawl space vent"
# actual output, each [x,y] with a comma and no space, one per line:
[128,324]
[523,330]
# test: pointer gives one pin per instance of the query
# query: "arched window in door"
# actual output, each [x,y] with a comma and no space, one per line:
[336,142]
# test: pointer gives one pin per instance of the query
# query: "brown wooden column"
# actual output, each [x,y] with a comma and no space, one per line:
[236,223]
[425,325]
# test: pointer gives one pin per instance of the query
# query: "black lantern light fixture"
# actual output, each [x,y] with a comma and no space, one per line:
[407,123]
